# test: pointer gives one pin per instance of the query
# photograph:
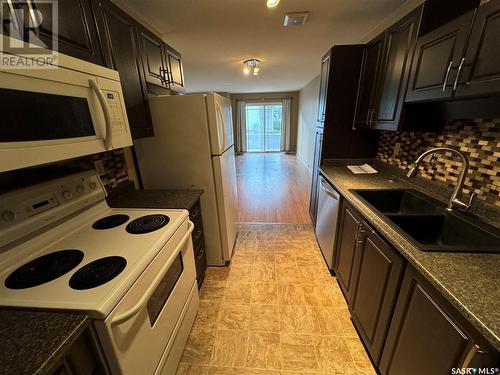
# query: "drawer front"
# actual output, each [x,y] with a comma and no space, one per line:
[195,212]
[201,262]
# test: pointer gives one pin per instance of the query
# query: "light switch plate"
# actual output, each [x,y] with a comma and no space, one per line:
[397,149]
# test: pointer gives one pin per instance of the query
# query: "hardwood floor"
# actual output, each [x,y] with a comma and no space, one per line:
[272,188]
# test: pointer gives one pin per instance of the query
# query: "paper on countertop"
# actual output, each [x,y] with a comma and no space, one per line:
[362,169]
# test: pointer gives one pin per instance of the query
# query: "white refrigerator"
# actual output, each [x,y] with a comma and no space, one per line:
[193,148]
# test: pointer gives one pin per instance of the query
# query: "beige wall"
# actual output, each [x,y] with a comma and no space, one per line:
[273,95]
[308,107]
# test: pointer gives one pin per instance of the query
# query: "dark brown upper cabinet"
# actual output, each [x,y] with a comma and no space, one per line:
[437,59]
[400,40]
[372,61]
[341,68]
[119,38]
[377,272]
[459,60]
[76,30]
[323,88]
[480,73]
[175,70]
[428,336]
[153,58]
[385,75]
[10,22]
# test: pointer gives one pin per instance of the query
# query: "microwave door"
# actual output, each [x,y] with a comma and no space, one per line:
[52,116]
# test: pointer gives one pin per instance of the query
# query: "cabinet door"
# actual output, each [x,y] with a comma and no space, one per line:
[481,70]
[153,60]
[313,201]
[76,34]
[118,32]
[424,337]
[175,72]
[368,81]
[437,57]
[350,223]
[378,270]
[399,48]
[11,25]
[323,88]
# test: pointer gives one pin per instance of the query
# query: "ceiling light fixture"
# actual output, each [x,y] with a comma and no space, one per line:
[251,66]
[272,3]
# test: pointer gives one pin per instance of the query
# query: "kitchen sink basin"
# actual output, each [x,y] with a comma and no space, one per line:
[428,225]
[398,201]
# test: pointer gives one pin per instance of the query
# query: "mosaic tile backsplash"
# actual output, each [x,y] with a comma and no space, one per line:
[480,141]
[113,162]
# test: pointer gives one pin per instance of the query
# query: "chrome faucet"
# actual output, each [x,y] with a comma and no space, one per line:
[454,200]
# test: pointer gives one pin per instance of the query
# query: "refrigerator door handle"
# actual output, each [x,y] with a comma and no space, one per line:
[221,127]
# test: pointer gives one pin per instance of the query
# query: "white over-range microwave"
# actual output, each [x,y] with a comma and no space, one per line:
[47,115]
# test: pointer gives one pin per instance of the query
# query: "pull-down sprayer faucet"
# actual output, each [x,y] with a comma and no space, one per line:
[454,200]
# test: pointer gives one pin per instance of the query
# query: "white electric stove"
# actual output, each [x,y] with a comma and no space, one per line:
[131,270]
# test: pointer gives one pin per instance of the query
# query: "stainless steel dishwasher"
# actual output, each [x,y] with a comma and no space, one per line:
[327,218]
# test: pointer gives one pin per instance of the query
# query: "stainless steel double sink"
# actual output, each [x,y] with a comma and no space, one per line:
[427,224]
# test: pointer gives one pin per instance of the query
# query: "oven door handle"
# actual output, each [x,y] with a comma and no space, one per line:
[108,143]
[127,315]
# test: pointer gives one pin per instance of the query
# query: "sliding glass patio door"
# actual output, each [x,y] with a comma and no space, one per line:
[264,124]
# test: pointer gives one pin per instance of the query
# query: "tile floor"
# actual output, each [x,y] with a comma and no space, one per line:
[275,310]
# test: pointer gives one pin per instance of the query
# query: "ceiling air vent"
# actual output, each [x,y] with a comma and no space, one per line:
[295,18]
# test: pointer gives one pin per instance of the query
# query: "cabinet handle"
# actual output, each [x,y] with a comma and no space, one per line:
[163,76]
[447,75]
[470,356]
[369,117]
[374,115]
[458,74]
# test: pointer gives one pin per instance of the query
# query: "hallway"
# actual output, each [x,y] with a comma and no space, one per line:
[276,310]
[272,188]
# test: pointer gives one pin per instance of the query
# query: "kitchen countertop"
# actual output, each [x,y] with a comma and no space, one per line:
[469,281]
[32,342]
[127,196]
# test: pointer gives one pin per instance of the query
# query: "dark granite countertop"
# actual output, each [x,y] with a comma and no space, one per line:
[127,196]
[470,282]
[32,342]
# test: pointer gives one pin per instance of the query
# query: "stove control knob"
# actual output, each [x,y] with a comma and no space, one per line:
[67,194]
[8,216]
[93,185]
[81,189]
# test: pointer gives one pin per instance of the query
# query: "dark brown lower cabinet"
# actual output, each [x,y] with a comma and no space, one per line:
[350,225]
[83,357]
[428,336]
[377,272]
[200,254]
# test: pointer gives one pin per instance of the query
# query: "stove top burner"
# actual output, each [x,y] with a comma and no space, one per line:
[111,221]
[44,269]
[98,272]
[146,224]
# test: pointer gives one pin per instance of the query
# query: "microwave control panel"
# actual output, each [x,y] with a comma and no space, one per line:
[115,112]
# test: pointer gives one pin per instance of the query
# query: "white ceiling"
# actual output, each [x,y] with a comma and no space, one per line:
[216,36]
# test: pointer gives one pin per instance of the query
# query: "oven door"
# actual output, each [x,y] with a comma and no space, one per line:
[55,114]
[137,332]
